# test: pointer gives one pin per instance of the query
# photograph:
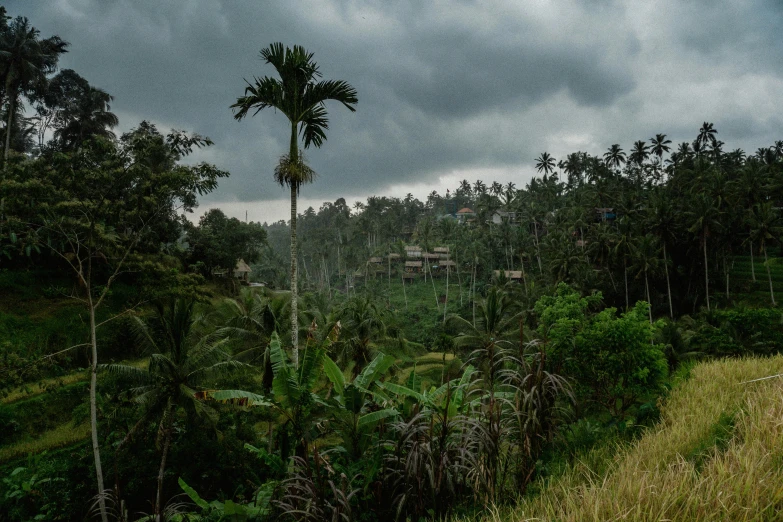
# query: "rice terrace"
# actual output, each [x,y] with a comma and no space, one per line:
[379,262]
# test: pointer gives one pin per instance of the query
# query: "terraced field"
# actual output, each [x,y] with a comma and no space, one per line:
[758,291]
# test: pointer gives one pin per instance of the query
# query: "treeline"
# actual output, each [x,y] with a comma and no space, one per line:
[658,224]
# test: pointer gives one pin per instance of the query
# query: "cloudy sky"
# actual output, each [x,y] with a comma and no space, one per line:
[448,90]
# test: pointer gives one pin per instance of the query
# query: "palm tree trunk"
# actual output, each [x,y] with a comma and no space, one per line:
[625,272]
[294,282]
[434,291]
[538,248]
[11,100]
[475,262]
[668,286]
[404,292]
[752,264]
[294,156]
[446,303]
[769,276]
[706,273]
[459,277]
[162,469]
[649,301]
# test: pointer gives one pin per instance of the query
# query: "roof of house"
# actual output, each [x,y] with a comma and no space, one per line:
[242,266]
[415,264]
[444,250]
[412,247]
[393,256]
[447,263]
[375,260]
[465,210]
[429,255]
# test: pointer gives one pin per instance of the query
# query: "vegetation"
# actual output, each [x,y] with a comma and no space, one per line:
[513,357]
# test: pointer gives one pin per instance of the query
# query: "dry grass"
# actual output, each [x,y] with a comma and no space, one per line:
[62,435]
[679,470]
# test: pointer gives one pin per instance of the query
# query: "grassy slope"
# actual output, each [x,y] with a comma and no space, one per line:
[717,454]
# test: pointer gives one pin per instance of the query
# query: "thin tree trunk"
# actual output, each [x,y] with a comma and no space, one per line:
[524,276]
[11,100]
[647,289]
[94,380]
[706,274]
[294,156]
[475,262]
[769,276]
[434,291]
[162,469]
[446,303]
[294,282]
[459,277]
[726,269]
[625,273]
[752,264]
[668,286]
[404,293]
[538,248]
[388,257]
[96,452]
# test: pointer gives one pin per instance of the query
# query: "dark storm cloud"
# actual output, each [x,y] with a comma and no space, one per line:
[443,86]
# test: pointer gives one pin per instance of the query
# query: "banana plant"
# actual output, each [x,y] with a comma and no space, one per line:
[450,398]
[354,411]
[231,511]
[293,389]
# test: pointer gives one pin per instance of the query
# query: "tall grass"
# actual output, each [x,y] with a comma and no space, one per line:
[717,454]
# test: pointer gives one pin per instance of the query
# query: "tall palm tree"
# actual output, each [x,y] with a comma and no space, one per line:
[661,220]
[704,219]
[545,163]
[301,98]
[766,227]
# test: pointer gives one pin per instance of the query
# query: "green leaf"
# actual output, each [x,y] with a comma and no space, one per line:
[200,502]
[371,419]
[335,375]
[402,390]
[374,370]
[238,397]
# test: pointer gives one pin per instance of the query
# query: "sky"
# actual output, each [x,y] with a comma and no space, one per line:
[448,90]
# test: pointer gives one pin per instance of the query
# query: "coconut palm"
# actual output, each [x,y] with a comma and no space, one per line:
[183,362]
[706,136]
[639,153]
[660,145]
[704,218]
[615,157]
[766,227]
[301,98]
[545,163]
